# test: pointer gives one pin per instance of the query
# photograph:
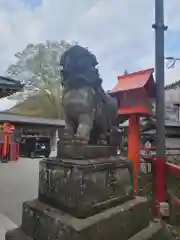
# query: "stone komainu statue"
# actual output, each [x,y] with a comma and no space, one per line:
[89,111]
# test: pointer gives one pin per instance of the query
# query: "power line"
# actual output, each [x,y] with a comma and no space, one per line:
[171,61]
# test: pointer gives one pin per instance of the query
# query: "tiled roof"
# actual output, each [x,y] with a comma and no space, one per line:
[6,81]
[24,119]
[9,86]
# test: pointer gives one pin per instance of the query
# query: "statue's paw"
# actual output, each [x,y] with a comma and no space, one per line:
[67,138]
[80,140]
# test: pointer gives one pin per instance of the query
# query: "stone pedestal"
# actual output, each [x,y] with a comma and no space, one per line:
[42,222]
[89,197]
[82,152]
[83,188]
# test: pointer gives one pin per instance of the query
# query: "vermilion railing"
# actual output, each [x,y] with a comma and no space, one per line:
[170,152]
[172,176]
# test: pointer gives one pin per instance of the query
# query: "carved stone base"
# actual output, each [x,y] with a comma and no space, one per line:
[42,222]
[85,187]
[79,151]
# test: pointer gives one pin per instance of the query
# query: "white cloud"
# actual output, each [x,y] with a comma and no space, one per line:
[118,31]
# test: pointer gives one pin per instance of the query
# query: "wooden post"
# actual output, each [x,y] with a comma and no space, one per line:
[5,148]
[134,147]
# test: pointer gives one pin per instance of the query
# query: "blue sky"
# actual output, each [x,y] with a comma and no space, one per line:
[119,32]
[32,3]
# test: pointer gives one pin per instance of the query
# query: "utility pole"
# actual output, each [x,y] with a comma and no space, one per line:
[160,104]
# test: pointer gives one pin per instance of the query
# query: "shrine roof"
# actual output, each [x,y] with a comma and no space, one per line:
[9,86]
[133,80]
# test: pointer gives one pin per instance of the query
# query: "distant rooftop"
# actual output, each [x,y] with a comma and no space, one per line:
[9,86]
[30,120]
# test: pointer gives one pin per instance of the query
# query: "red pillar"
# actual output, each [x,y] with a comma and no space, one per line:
[134,147]
[160,181]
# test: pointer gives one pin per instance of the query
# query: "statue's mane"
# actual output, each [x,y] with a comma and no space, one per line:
[78,64]
[77,52]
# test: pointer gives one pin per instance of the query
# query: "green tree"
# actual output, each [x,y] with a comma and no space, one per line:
[37,67]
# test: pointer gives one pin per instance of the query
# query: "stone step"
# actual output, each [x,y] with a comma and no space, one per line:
[155,231]
[43,222]
[16,234]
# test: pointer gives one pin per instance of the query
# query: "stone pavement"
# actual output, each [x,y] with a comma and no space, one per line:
[5,225]
[18,182]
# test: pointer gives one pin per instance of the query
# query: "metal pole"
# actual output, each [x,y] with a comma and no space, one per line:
[159,76]
[160,178]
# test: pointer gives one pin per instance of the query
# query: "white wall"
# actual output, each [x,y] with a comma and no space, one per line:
[172,95]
